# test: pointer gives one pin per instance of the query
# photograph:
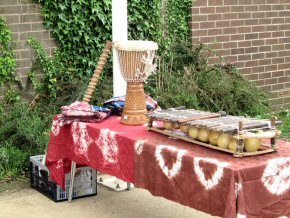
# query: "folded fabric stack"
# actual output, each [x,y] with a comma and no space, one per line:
[116,104]
[83,112]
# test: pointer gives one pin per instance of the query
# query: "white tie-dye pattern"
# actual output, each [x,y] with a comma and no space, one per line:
[209,183]
[176,166]
[81,138]
[139,146]
[109,147]
[276,176]
[59,164]
[283,216]
[55,128]
[241,216]
[238,187]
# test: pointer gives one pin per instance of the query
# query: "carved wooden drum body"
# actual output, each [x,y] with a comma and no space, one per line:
[136,64]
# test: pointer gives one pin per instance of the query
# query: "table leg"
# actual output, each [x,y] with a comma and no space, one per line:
[71,182]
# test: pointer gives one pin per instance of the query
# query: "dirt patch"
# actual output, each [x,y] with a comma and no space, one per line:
[8,186]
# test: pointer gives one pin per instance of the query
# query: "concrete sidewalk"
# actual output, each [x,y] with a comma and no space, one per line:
[137,203]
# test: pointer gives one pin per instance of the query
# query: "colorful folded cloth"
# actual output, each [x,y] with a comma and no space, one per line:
[116,104]
[83,112]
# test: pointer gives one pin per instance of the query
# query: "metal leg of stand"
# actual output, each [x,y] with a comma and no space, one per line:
[71,182]
[128,186]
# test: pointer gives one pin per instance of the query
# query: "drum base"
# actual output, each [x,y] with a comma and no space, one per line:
[135,105]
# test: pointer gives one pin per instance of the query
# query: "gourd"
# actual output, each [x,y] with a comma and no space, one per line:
[203,135]
[213,137]
[223,140]
[175,125]
[167,125]
[233,144]
[252,144]
[184,128]
[193,132]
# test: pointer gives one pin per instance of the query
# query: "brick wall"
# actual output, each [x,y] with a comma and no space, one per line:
[24,19]
[255,34]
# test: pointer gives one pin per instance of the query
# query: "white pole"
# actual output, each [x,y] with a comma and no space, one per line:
[120,33]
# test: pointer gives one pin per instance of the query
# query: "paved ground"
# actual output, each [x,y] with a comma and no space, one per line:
[137,203]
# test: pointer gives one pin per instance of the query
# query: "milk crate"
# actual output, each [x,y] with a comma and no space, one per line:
[84,183]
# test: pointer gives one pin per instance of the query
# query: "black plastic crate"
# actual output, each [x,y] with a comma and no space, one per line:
[84,183]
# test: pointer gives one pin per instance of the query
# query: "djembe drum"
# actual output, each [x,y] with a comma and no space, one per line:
[136,64]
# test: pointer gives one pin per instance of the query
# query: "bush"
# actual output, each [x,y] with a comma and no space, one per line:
[185,78]
[12,160]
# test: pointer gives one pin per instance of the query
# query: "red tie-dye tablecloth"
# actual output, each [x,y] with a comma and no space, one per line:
[204,179]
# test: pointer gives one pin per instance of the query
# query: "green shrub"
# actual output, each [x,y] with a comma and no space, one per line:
[185,78]
[11,160]
[7,63]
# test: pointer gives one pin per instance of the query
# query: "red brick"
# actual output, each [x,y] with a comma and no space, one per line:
[238,8]
[251,36]
[264,75]
[252,63]
[258,56]
[237,37]
[230,30]
[284,66]
[258,15]
[244,29]
[272,28]
[207,10]
[244,44]
[265,62]
[199,18]
[230,16]
[258,69]
[251,22]
[207,25]
[279,73]
[215,17]
[265,21]
[207,39]
[271,41]
[271,81]
[245,15]
[277,60]
[271,68]
[222,9]
[252,76]
[283,79]
[237,22]
[237,51]
[265,35]
[199,33]
[265,48]
[223,38]
[251,50]
[252,8]
[214,32]
[284,40]
[230,45]
[272,14]
[278,7]
[263,7]
[271,54]
[278,20]
[277,47]
[244,57]
[258,28]
[223,23]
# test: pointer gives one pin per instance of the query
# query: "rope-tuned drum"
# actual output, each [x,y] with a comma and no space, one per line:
[136,64]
